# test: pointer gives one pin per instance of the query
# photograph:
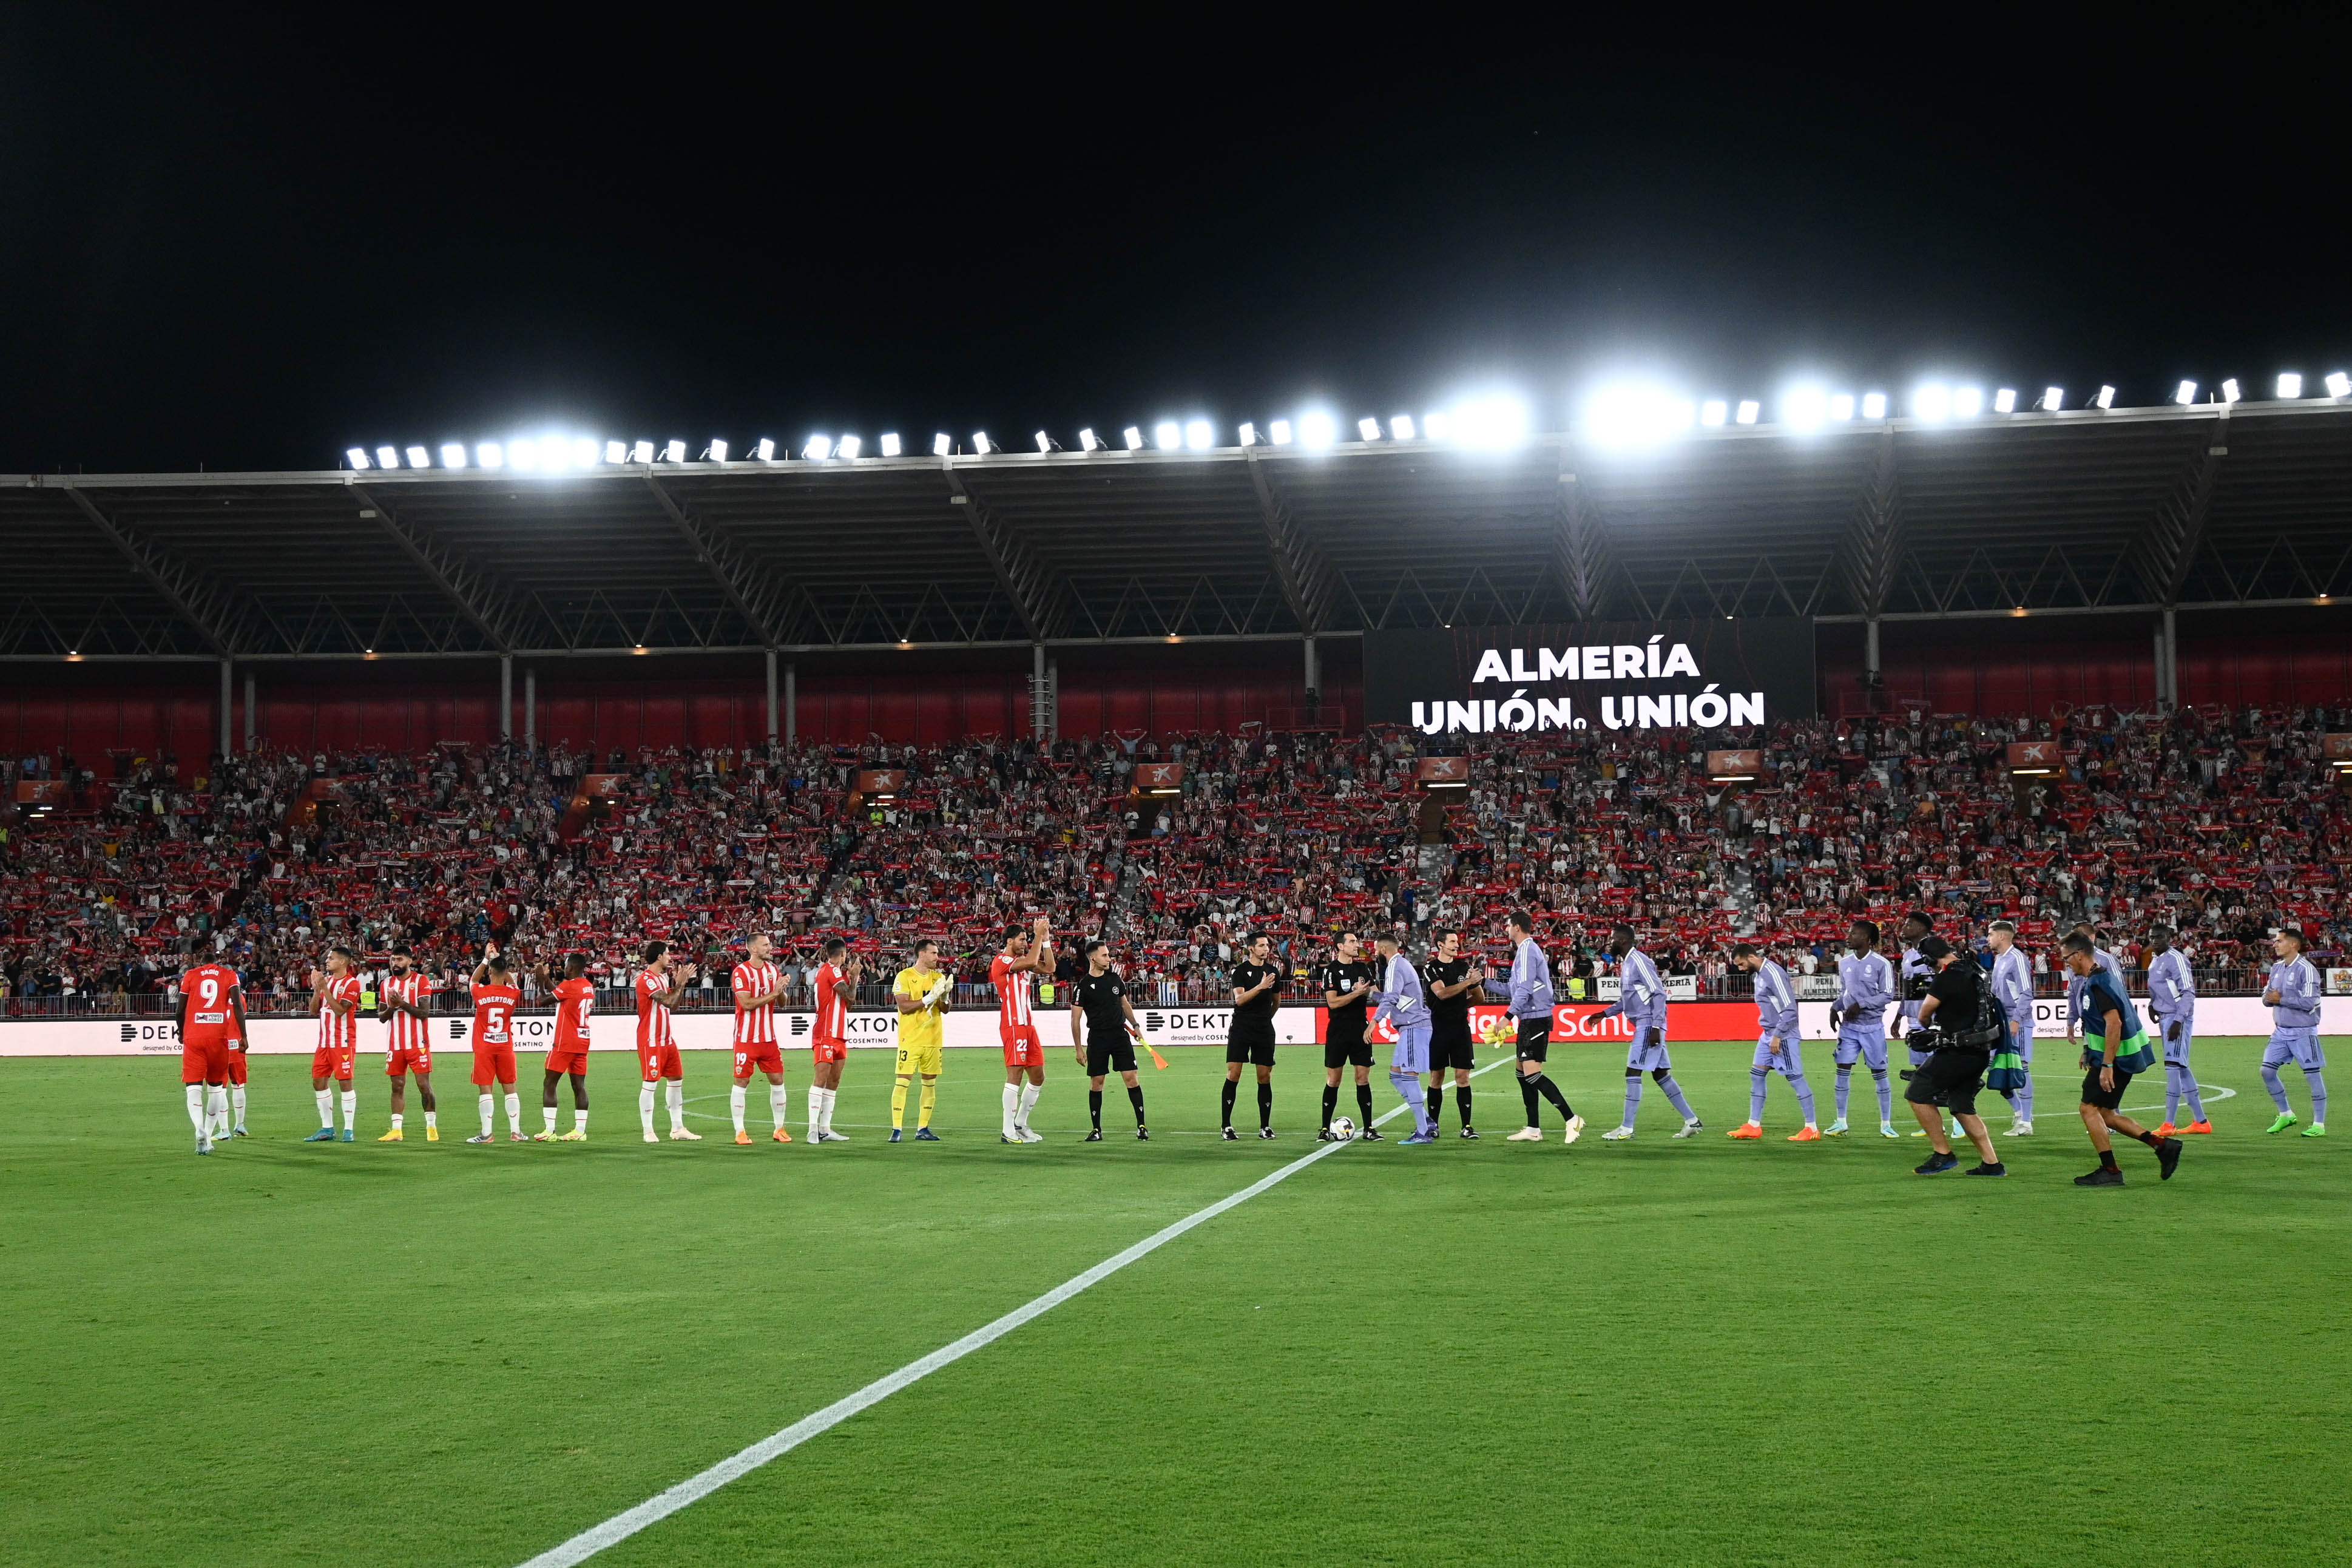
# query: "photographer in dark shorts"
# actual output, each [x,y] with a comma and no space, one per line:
[1958,1048]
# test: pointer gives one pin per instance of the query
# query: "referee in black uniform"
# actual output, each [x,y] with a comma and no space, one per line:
[1349,981]
[1101,995]
[1255,983]
[1454,982]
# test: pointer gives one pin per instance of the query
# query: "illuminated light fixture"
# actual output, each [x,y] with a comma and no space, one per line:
[890,443]
[1636,414]
[1967,402]
[1842,406]
[1804,407]
[764,448]
[1168,435]
[1368,430]
[583,451]
[1746,413]
[1278,433]
[2004,400]
[1317,430]
[359,457]
[418,457]
[2290,385]
[675,452]
[1045,442]
[717,451]
[1437,425]
[2229,395]
[2053,398]
[2339,384]
[941,445]
[982,444]
[1932,402]
[1401,427]
[2185,393]
[1133,436]
[642,452]
[1874,405]
[1200,434]
[1714,411]
[523,455]
[1248,434]
[616,451]
[1087,441]
[848,447]
[489,455]
[2106,398]
[818,449]
[453,454]
[1491,422]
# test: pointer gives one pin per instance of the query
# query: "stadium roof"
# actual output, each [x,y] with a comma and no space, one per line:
[2091,511]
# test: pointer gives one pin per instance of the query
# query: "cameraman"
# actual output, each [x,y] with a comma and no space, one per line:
[1956,1060]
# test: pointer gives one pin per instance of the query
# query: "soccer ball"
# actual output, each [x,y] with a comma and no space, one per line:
[1343,1128]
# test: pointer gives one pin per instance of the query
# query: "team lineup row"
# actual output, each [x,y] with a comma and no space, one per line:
[1966,1018]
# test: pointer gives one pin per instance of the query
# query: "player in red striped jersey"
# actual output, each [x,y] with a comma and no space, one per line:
[759,985]
[212,1032]
[336,993]
[836,982]
[406,1004]
[575,999]
[658,1058]
[1026,954]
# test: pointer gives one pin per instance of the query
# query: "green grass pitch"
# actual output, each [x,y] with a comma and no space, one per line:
[1656,1352]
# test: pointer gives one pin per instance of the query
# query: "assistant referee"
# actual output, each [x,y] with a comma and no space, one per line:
[1111,1031]
[1250,1042]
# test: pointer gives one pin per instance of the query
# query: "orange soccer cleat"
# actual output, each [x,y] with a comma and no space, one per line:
[782,1136]
[2166,1131]
[1746,1130]
[1806,1134]
[742,1136]
[2199,1127]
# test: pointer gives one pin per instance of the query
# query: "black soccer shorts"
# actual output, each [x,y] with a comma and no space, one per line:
[1340,1053]
[1535,1039]
[1455,1050]
[1948,1079]
[2105,1099]
[1254,1049]
[1110,1051]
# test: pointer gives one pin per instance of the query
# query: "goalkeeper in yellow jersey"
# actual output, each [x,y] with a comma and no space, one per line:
[921,992]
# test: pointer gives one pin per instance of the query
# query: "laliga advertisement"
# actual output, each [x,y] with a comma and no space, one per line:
[1694,675]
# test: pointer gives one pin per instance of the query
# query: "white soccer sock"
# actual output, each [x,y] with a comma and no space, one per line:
[645,1108]
[579,1121]
[815,1111]
[326,1106]
[547,1115]
[196,1108]
[1029,1094]
[236,1101]
[831,1095]
[677,1104]
[514,1113]
[489,1113]
[735,1098]
[396,1121]
[780,1104]
[216,1109]
[432,1118]
[1011,1108]
[350,1109]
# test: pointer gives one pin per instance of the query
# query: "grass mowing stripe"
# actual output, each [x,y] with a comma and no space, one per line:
[693,1489]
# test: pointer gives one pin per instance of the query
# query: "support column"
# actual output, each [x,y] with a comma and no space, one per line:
[771,697]
[2168,660]
[531,707]
[1053,700]
[1314,677]
[791,705]
[228,693]
[1037,691]
[506,696]
[1870,653]
[248,710]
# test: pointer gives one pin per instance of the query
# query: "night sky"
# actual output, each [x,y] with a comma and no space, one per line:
[242,245]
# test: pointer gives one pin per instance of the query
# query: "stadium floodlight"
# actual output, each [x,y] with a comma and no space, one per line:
[642,452]
[583,451]
[358,456]
[818,448]
[1932,402]
[848,447]
[675,452]
[616,451]
[2228,393]
[2106,398]
[890,443]
[1133,436]
[2053,398]
[1317,430]
[1967,402]
[2004,400]
[717,451]
[982,444]
[2339,384]
[1248,434]
[1748,412]
[1402,426]
[1874,405]
[1089,441]
[522,454]
[941,445]
[489,455]
[1368,429]
[2290,385]
[1168,435]
[764,448]
[1278,433]
[418,457]
[1714,411]
[1636,413]
[1045,442]
[1437,425]
[2185,393]
[1200,434]
[1842,406]
[1804,407]
[453,454]
[1490,422]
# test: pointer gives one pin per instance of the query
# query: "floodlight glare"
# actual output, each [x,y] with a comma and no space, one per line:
[1437,425]
[1804,407]
[2229,393]
[1932,402]
[982,444]
[489,455]
[2106,398]
[453,454]
[890,444]
[1967,402]
[1249,434]
[1714,411]
[941,445]
[1747,412]
[1167,435]
[675,452]
[1045,442]
[418,457]
[1086,441]
[2339,384]
[1317,430]
[2186,394]
[1402,426]
[848,447]
[1842,406]
[1491,422]
[1279,432]
[764,448]
[1636,414]
[616,452]
[358,456]
[642,452]
[716,450]
[1200,434]
[2004,401]
[818,448]
[1874,405]
[1133,436]
[2290,385]
[2053,398]
[583,451]
[523,454]
[1368,429]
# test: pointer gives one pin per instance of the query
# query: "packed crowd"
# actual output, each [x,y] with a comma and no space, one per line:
[2223,823]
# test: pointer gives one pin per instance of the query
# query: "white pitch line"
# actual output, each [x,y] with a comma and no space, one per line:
[693,1489]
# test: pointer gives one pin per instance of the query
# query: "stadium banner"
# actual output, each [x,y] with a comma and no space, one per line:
[1572,1023]
[1157,778]
[1694,675]
[2035,756]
